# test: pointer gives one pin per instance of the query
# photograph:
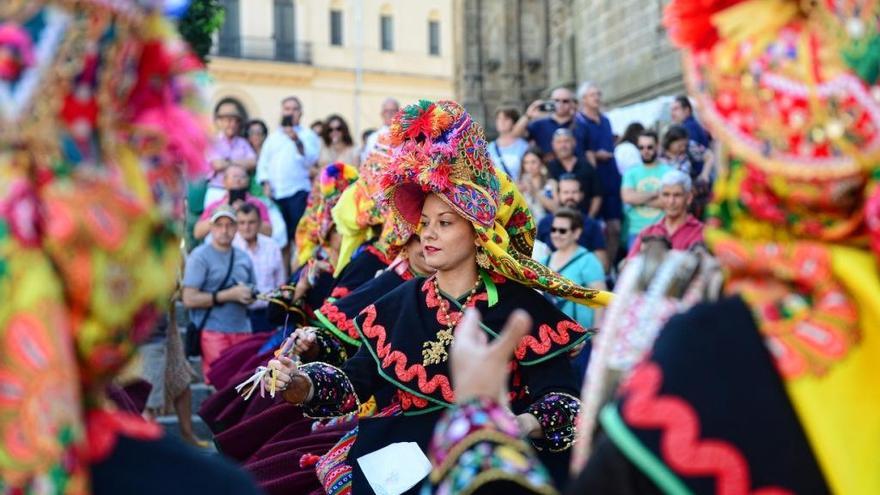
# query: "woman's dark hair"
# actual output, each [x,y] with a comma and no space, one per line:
[238,106]
[673,134]
[534,150]
[632,132]
[509,112]
[325,132]
[684,102]
[259,123]
[575,217]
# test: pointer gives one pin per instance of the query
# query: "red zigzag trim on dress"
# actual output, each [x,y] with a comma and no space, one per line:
[338,318]
[680,444]
[399,360]
[547,336]
[339,292]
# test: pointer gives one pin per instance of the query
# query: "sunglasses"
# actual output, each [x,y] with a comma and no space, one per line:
[555,230]
[336,128]
[646,147]
[563,100]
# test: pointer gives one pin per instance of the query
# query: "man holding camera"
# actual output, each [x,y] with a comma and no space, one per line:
[218,286]
[287,163]
[544,117]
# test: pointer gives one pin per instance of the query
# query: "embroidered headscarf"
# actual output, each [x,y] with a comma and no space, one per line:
[439,149]
[97,124]
[360,213]
[312,230]
[791,90]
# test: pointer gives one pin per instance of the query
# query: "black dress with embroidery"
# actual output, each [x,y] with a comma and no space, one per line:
[706,412]
[390,367]
[337,315]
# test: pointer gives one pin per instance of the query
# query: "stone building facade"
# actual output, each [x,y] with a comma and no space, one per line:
[510,52]
[622,46]
[501,54]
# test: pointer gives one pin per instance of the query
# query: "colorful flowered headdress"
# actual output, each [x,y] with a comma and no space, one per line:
[790,88]
[439,149]
[312,230]
[96,125]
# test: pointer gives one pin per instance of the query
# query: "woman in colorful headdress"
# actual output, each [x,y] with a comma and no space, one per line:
[476,231]
[96,127]
[266,439]
[773,389]
[289,307]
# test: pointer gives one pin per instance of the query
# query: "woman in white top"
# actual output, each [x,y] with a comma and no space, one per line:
[508,149]
[535,186]
[626,154]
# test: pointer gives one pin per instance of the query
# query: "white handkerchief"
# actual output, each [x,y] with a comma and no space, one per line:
[396,468]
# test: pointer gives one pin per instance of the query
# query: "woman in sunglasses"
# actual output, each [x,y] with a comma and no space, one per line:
[338,145]
[579,265]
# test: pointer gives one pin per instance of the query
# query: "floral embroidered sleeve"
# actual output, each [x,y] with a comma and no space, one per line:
[331,351]
[339,391]
[556,412]
[477,444]
[332,392]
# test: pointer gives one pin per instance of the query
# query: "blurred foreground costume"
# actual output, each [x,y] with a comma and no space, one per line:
[99,120]
[774,388]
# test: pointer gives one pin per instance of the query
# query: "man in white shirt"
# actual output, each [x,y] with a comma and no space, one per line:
[287,163]
[390,107]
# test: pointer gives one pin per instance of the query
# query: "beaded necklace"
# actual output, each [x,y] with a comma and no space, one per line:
[436,351]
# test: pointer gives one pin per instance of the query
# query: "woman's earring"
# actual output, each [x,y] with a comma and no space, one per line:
[483,259]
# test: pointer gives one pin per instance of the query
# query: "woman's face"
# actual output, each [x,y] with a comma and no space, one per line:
[561,233]
[334,242]
[334,127]
[256,136]
[677,147]
[447,238]
[531,164]
[416,257]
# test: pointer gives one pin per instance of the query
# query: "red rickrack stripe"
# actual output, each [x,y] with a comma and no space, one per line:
[340,319]
[408,401]
[339,292]
[680,444]
[547,336]
[399,360]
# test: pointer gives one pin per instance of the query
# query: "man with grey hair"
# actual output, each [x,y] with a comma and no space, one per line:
[600,154]
[679,227]
[287,163]
[390,107]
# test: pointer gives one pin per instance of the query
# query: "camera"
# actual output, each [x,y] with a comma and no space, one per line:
[548,106]
[287,121]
